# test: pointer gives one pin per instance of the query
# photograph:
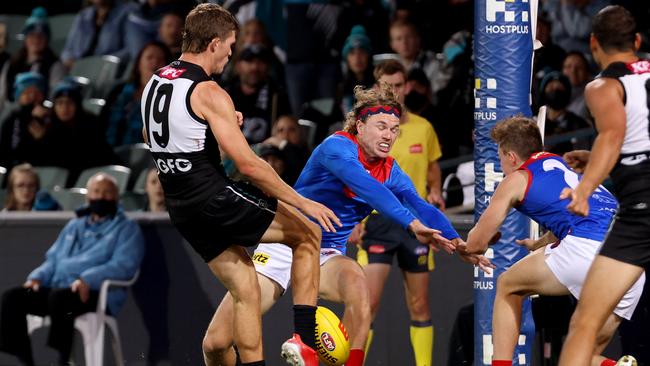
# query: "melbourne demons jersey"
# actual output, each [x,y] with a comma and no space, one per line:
[631,175]
[548,175]
[182,144]
[339,176]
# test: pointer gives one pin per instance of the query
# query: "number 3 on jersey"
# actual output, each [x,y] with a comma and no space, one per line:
[161,97]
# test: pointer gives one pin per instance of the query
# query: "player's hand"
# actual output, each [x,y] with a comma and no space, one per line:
[32,284]
[435,198]
[81,288]
[432,237]
[478,260]
[579,204]
[577,159]
[356,237]
[240,118]
[325,217]
[528,243]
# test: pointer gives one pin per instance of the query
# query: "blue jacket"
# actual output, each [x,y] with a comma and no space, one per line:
[112,36]
[94,252]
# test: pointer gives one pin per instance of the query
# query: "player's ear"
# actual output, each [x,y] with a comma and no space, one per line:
[637,41]
[360,125]
[214,44]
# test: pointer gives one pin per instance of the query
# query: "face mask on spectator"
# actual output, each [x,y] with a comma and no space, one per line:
[103,208]
[557,99]
[415,101]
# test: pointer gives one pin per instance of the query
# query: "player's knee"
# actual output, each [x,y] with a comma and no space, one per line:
[246,288]
[361,299]
[419,306]
[215,342]
[505,284]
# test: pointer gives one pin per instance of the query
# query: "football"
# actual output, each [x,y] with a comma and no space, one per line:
[332,343]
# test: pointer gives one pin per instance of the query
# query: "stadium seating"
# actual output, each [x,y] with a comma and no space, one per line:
[137,157]
[51,177]
[69,199]
[92,326]
[100,71]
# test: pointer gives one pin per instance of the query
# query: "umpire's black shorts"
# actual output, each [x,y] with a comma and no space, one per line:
[237,215]
[385,239]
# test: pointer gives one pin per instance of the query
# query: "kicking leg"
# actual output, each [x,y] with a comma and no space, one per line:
[292,228]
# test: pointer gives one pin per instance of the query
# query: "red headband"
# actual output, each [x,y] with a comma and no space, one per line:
[369,111]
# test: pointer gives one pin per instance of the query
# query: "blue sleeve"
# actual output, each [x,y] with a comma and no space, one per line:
[45,271]
[125,260]
[429,215]
[341,159]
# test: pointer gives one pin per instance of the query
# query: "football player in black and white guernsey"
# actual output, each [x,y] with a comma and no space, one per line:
[619,101]
[188,118]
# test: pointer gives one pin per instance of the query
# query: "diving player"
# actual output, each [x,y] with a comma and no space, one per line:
[561,258]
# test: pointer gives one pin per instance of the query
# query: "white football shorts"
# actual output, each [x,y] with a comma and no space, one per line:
[570,261]
[274,261]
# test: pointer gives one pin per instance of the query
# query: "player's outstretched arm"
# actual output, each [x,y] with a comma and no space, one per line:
[213,104]
[604,98]
[509,192]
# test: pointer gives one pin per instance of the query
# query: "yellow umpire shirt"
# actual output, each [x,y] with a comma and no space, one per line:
[416,147]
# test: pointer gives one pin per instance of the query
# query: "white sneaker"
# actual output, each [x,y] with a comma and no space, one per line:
[626,361]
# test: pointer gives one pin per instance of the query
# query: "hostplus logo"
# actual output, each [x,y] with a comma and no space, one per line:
[489,103]
[500,11]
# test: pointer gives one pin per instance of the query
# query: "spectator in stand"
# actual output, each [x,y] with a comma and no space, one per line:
[23,191]
[98,30]
[276,159]
[122,110]
[571,21]
[23,131]
[74,131]
[170,32]
[155,193]
[35,55]
[255,94]
[22,185]
[313,64]
[547,58]
[357,55]
[555,94]
[144,20]
[5,57]
[101,244]
[288,138]
[405,41]
[253,32]
[576,67]
[418,100]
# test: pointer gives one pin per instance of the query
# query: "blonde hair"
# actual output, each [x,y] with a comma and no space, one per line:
[519,134]
[381,95]
[10,201]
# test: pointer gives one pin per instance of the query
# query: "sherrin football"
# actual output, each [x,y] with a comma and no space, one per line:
[332,343]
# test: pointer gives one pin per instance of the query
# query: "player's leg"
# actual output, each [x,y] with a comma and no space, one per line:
[416,261]
[602,339]
[293,229]
[607,281]
[234,268]
[343,280]
[530,275]
[218,341]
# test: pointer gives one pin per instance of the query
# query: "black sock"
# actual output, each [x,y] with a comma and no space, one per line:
[304,322]
[256,363]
